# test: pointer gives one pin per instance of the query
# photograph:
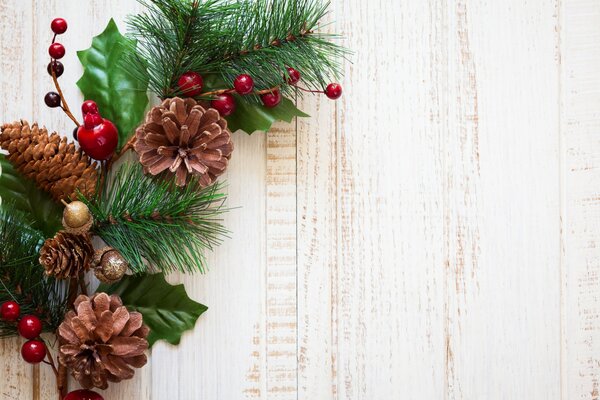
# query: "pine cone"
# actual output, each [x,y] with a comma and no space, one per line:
[183,137]
[66,255]
[55,165]
[102,341]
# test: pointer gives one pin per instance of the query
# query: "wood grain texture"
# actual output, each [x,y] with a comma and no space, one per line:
[430,235]
[580,119]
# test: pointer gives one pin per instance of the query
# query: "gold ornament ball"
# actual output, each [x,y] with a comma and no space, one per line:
[76,214]
[112,265]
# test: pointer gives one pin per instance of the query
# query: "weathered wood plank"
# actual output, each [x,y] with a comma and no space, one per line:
[580,120]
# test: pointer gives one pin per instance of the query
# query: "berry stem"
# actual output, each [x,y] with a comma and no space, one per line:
[222,91]
[308,90]
[64,106]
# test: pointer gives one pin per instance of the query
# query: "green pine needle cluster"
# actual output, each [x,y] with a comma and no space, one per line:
[22,278]
[155,225]
[221,39]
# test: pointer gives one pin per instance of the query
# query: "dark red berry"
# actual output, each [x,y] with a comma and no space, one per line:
[52,99]
[83,394]
[30,327]
[98,137]
[10,311]
[293,76]
[75,133]
[271,99]
[89,106]
[190,84]
[243,84]
[33,351]
[57,66]
[58,26]
[56,51]
[333,91]
[224,104]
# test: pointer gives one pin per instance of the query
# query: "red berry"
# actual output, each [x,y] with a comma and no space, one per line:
[30,327]
[333,91]
[33,351]
[57,66]
[243,84]
[89,106]
[56,51]
[293,76]
[224,104]
[10,311]
[58,25]
[83,394]
[271,99]
[190,84]
[52,99]
[98,137]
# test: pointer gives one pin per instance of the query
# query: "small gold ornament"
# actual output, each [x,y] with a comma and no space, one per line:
[110,266]
[77,218]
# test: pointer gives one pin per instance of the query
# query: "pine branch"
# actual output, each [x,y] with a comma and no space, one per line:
[227,38]
[22,278]
[154,224]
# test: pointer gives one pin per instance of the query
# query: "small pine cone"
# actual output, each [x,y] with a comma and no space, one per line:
[55,165]
[184,138]
[102,341]
[66,255]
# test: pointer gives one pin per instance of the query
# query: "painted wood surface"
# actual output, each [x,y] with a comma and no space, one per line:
[433,234]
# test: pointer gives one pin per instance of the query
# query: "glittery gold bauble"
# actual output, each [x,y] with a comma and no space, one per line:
[110,265]
[77,217]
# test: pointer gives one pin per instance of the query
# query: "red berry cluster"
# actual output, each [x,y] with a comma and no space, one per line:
[29,326]
[191,83]
[56,51]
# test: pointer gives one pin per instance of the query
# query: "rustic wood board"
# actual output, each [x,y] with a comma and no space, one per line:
[433,234]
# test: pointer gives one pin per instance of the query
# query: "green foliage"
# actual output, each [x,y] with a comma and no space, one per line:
[120,97]
[228,38]
[156,225]
[22,193]
[22,278]
[167,309]
[251,117]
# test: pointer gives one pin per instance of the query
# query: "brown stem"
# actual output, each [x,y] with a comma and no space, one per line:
[65,106]
[221,91]
[60,376]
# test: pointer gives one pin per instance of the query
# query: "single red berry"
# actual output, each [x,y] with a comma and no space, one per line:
[52,99]
[89,107]
[271,99]
[333,91]
[293,76]
[190,84]
[83,394]
[58,25]
[243,84]
[33,351]
[98,137]
[224,104]
[56,51]
[57,66]
[75,133]
[10,311]
[30,327]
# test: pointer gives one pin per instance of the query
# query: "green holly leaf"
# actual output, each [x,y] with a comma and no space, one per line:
[120,97]
[167,309]
[251,117]
[35,204]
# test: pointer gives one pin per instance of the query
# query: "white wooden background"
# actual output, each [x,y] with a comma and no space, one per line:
[432,235]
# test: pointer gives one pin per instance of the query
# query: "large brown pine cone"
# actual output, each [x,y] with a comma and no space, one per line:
[55,165]
[102,341]
[66,255]
[184,138]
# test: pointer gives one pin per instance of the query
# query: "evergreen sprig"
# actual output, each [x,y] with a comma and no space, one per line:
[22,278]
[225,38]
[155,225]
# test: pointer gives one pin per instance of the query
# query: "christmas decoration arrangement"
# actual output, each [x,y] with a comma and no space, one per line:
[89,227]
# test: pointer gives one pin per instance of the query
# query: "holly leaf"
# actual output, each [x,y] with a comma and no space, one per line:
[121,98]
[251,117]
[166,309]
[22,194]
